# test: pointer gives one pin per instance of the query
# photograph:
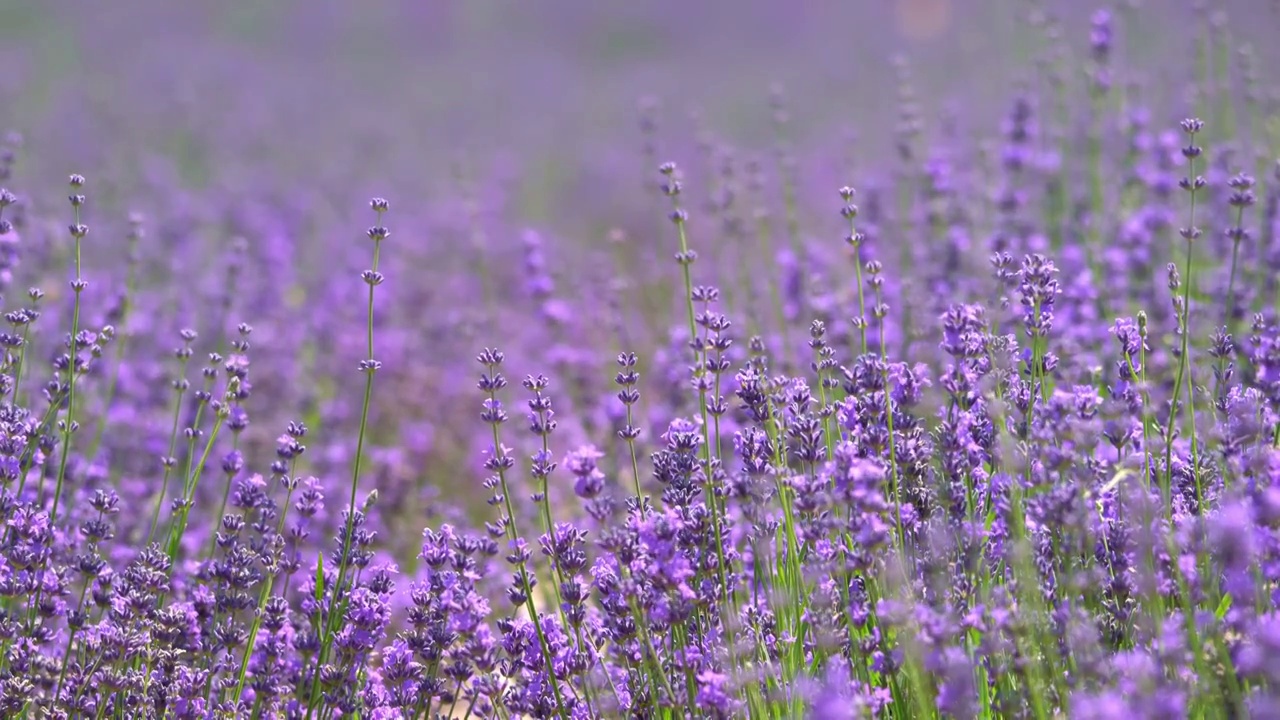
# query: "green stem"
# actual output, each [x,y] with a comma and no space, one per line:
[180,385]
[686,260]
[1184,347]
[73,371]
[332,621]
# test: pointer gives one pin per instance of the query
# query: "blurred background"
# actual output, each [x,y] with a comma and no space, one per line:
[386,94]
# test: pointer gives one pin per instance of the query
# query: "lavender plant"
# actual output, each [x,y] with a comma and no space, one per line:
[1003,439]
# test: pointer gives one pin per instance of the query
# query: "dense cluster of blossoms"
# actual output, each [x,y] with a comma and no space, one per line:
[1048,486]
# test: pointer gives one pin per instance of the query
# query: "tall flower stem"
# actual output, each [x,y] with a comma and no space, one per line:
[854,239]
[1191,183]
[686,258]
[1241,197]
[28,316]
[180,386]
[628,379]
[78,284]
[368,366]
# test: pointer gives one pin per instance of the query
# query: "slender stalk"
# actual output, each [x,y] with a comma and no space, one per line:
[1242,197]
[541,420]
[78,284]
[854,239]
[369,366]
[1192,183]
[236,366]
[628,378]
[1146,399]
[686,258]
[180,386]
[29,316]
[894,479]
[78,232]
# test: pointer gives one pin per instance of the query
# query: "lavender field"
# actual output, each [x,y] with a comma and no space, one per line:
[425,359]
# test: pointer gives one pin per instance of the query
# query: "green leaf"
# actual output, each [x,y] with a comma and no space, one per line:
[320,578]
[1223,606]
